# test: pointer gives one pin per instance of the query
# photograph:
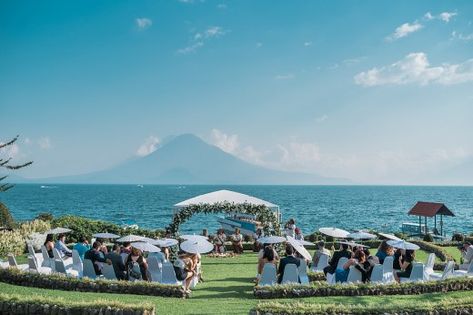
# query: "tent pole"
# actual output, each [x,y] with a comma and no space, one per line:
[426,230]
[420,225]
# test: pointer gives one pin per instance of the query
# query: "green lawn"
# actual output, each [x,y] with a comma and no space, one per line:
[228,288]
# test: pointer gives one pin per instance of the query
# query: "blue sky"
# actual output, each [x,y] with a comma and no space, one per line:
[375,91]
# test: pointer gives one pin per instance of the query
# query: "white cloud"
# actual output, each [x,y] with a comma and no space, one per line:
[200,38]
[288,76]
[307,44]
[44,143]
[10,151]
[149,146]
[446,16]
[143,23]
[416,69]
[460,36]
[299,155]
[228,143]
[404,30]
[322,118]
[428,16]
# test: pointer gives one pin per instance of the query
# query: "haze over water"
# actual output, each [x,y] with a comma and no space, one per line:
[383,208]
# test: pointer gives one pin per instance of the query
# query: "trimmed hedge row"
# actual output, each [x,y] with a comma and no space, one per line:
[61,282]
[20,304]
[316,276]
[445,306]
[437,250]
[362,289]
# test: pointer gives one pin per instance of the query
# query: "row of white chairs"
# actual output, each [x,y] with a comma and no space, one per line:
[292,274]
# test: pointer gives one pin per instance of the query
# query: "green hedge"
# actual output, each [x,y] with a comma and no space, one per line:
[362,289]
[21,304]
[432,248]
[61,282]
[446,306]
[81,226]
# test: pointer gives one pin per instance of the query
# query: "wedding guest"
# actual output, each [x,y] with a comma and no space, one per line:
[49,244]
[136,265]
[61,246]
[220,242]
[237,242]
[289,259]
[81,247]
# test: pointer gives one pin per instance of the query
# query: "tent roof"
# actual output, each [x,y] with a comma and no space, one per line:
[224,196]
[430,209]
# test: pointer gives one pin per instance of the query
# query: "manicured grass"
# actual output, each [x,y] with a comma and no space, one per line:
[454,252]
[228,289]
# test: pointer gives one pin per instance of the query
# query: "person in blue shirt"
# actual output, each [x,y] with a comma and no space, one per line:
[81,247]
[61,246]
[384,250]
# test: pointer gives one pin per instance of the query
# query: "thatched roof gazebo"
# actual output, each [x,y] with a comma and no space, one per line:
[430,209]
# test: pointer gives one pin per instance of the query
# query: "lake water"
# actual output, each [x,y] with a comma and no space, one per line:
[350,207]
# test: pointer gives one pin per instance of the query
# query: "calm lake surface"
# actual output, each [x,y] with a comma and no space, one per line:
[350,207]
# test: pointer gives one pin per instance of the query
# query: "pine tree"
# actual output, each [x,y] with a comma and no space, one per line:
[6,220]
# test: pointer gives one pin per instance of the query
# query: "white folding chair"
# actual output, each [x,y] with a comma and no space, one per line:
[38,256]
[12,263]
[303,277]
[61,268]
[291,274]
[154,269]
[169,275]
[269,275]
[342,261]
[108,272]
[417,273]
[322,263]
[77,263]
[88,270]
[354,275]
[388,270]
[462,273]
[33,266]
[47,261]
[447,272]
[469,255]
[377,274]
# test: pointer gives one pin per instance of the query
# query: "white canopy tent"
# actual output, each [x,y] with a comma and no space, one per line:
[223,196]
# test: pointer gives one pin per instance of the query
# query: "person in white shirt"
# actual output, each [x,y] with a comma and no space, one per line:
[220,242]
[237,242]
[290,227]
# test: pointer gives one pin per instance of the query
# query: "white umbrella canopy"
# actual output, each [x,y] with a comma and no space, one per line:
[390,236]
[58,230]
[360,235]
[197,246]
[130,238]
[401,244]
[146,247]
[105,235]
[271,240]
[334,232]
[353,244]
[304,242]
[298,247]
[193,237]
[166,242]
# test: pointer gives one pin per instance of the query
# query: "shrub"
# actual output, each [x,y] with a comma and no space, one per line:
[437,250]
[6,219]
[428,238]
[81,226]
[14,241]
[45,216]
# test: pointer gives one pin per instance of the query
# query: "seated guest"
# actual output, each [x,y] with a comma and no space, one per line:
[184,271]
[398,259]
[117,262]
[220,242]
[126,248]
[261,252]
[49,244]
[237,242]
[406,266]
[103,247]
[61,246]
[373,260]
[343,252]
[289,259]
[256,245]
[466,251]
[383,251]
[136,265]
[321,250]
[360,262]
[268,257]
[298,234]
[97,258]
[81,247]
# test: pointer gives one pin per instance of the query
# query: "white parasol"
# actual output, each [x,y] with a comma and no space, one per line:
[193,237]
[403,245]
[360,235]
[197,246]
[105,235]
[130,238]
[390,236]
[166,242]
[298,247]
[146,247]
[334,232]
[271,240]
[353,244]
[305,243]
[58,230]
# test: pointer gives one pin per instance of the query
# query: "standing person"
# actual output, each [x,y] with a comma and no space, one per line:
[136,265]
[220,242]
[406,266]
[237,242]
[466,251]
[321,250]
[61,246]
[259,234]
[81,247]
[97,258]
[49,244]
[289,259]
[290,227]
[298,234]
[343,252]
[117,262]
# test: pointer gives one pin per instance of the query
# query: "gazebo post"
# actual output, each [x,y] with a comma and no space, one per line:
[426,229]
[441,224]
[435,222]
[420,225]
